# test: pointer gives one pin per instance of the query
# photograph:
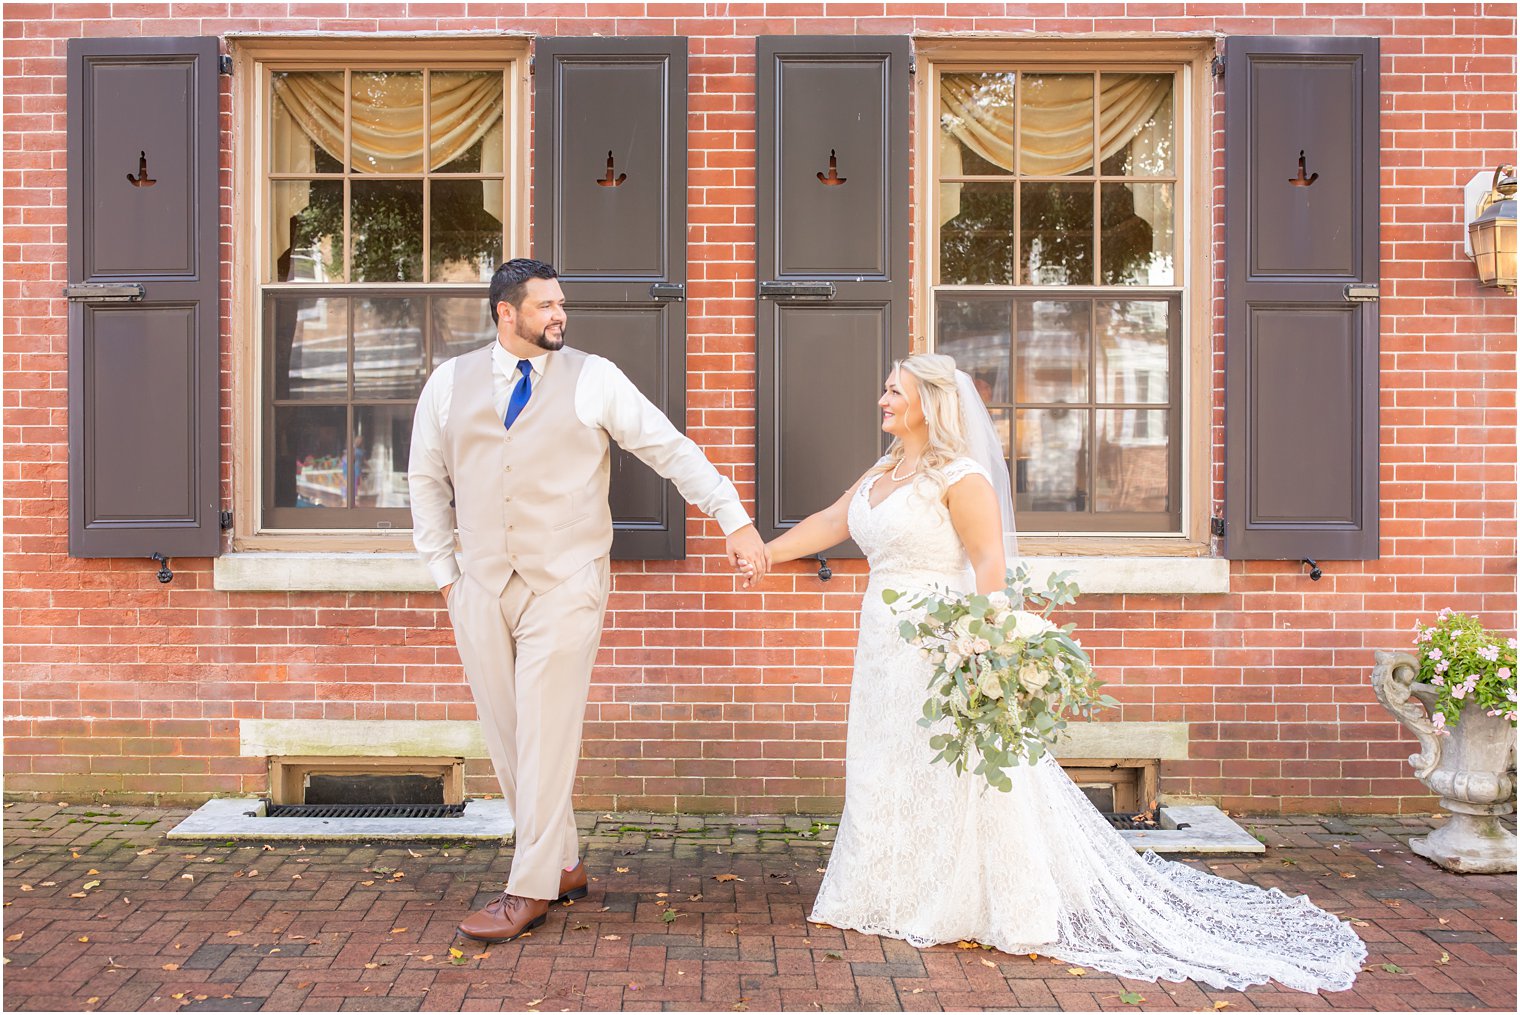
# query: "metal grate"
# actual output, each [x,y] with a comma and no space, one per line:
[1132,820]
[273,810]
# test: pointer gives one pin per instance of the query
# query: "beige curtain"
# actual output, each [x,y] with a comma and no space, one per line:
[387,129]
[1057,124]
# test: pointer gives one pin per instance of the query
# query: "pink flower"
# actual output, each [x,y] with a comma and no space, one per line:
[1489,652]
[1435,653]
[1439,722]
[1502,673]
[1445,612]
[1459,691]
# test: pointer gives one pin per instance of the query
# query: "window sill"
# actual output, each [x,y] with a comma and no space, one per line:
[272,571]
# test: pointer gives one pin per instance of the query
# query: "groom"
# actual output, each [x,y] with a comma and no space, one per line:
[510,442]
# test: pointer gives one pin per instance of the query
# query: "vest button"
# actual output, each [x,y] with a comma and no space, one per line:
[509,468]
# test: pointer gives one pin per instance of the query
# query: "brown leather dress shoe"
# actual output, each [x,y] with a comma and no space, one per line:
[505,918]
[572,883]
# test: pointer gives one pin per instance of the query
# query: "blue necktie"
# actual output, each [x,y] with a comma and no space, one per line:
[521,393]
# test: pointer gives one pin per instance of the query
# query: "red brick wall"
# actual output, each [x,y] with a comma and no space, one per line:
[707,698]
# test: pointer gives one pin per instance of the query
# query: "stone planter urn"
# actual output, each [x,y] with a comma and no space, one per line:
[1471,767]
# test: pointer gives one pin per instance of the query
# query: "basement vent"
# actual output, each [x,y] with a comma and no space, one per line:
[273,810]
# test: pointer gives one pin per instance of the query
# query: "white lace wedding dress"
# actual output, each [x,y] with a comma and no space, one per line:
[929,857]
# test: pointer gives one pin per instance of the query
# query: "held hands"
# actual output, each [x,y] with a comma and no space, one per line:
[748,554]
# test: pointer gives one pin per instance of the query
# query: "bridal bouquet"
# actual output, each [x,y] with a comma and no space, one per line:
[1006,676]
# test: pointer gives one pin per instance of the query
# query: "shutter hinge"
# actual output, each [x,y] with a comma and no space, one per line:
[912,63]
[224,64]
[532,63]
[1217,66]
[1216,526]
[226,520]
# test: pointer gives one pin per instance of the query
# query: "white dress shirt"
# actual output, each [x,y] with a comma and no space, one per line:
[604,397]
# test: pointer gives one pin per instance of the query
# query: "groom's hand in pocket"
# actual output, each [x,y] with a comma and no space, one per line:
[745,547]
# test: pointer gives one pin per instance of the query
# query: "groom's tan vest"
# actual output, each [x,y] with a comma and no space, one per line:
[530,500]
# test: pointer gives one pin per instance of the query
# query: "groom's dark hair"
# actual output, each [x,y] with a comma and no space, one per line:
[511,279]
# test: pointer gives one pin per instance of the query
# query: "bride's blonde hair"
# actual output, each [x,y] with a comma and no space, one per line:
[941,405]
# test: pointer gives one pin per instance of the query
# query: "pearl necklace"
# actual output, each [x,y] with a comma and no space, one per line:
[898,479]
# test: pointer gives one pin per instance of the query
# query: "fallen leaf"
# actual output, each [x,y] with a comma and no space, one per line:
[1130,997]
[621,870]
[990,965]
[722,878]
[670,916]
[535,1002]
[1346,875]
[85,939]
[832,955]
[78,895]
[1440,919]
[1221,1005]
[398,930]
[179,996]
[253,873]
[1395,903]
[1389,967]
[366,884]
[16,937]
[92,870]
[187,877]
[90,884]
[612,937]
[1360,923]
[1077,971]
[372,965]
[1445,958]
[966,944]
[268,848]
[170,966]
[427,958]
[234,933]
[917,990]
[414,854]
[662,895]
[27,888]
[89,1000]
[694,898]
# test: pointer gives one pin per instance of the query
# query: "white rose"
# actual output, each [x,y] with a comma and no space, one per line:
[980,645]
[1026,624]
[989,684]
[1033,678]
[962,627]
[999,600]
[951,662]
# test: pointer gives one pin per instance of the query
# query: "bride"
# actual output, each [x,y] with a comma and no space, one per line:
[929,856]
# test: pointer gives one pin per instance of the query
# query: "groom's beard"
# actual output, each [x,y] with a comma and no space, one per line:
[544,340]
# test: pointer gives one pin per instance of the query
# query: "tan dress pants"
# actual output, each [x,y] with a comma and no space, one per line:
[528,659]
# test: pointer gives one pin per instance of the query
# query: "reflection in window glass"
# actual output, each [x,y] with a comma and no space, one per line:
[460,324]
[1137,234]
[467,117]
[387,121]
[311,456]
[1056,233]
[1136,122]
[1050,471]
[306,231]
[388,356]
[1134,351]
[310,347]
[382,446]
[465,224]
[1052,351]
[976,233]
[306,123]
[1133,461]
[976,124]
[387,230]
[976,334]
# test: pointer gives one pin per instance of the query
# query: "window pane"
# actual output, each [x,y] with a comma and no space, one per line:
[1134,351]
[1050,473]
[1051,351]
[976,124]
[1056,233]
[310,455]
[976,334]
[382,445]
[310,337]
[1134,458]
[306,231]
[976,234]
[387,230]
[460,324]
[467,121]
[387,122]
[1136,119]
[306,123]
[465,219]
[1137,234]
[388,360]
[1056,124]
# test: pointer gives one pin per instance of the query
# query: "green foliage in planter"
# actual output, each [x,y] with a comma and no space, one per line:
[1466,662]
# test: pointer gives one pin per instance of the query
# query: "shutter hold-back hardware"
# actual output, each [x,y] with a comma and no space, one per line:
[833,179]
[609,180]
[165,576]
[824,571]
[1315,574]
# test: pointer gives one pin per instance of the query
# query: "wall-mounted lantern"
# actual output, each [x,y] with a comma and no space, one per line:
[1491,232]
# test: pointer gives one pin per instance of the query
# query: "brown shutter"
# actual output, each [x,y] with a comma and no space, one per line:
[1301,313]
[832,263]
[609,212]
[145,275]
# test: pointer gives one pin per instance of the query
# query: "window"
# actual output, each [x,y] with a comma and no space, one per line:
[386,197]
[1057,282]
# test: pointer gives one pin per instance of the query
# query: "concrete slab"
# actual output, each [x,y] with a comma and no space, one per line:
[243,818]
[1198,829]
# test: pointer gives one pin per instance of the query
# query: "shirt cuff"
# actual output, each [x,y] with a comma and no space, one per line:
[445,571]
[731,518]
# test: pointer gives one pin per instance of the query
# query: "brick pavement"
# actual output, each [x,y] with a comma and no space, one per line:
[104,914]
